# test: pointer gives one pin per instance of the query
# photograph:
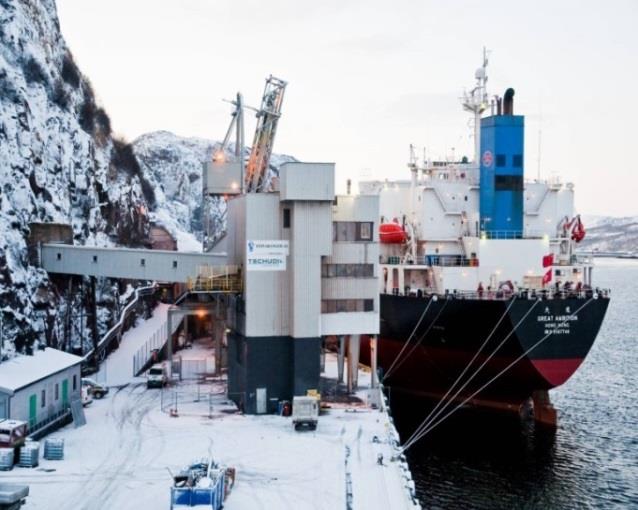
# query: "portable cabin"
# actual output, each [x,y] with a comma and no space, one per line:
[39,388]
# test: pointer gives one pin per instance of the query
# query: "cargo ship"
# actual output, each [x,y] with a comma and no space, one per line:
[484,300]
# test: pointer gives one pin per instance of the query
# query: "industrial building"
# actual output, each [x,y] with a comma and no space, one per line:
[311,264]
[39,388]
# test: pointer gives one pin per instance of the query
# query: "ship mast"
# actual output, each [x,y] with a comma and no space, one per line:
[476,101]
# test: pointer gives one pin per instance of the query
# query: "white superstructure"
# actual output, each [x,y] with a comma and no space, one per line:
[447,248]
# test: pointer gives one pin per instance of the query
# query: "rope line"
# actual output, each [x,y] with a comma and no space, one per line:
[458,379]
[425,424]
[418,342]
[438,422]
[405,345]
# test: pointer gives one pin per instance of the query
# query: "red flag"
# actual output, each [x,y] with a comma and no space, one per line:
[547,277]
[548,260]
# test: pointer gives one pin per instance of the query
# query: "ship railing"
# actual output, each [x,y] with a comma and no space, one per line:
[435,260]
[547,293]
[512,234]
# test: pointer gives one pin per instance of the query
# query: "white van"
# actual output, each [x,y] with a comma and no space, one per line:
[157,376]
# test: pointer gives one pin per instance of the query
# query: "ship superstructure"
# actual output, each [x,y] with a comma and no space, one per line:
[479,223]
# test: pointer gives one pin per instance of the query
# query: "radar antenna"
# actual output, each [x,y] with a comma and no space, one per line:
[476,101]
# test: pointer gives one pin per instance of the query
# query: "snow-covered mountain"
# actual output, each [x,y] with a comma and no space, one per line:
[173,166]
[610,234]
[58,163]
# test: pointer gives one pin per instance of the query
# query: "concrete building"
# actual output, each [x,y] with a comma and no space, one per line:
[39,388]
[289,243]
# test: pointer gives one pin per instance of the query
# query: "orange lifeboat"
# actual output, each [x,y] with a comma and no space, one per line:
[392,233]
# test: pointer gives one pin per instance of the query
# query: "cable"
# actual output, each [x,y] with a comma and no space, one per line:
[420,339]
[428,417]
[424,424]
[409,338]
[438,422]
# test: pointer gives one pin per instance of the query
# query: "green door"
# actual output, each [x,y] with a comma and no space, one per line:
[33,410]
[65,393]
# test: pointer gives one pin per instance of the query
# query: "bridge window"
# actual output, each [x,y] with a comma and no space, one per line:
[175,264]
[500,160]
[517,161]
[59,256]
[94,258]
[286,218]
[143,262]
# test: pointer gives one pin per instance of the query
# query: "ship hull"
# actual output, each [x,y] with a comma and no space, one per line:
[515,360]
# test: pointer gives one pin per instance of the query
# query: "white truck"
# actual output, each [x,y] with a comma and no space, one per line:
[305,412]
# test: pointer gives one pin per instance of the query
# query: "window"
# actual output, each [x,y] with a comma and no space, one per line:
[500,160]
[517,161]
[175,264]
[508,182]
[59,256]
[350,231]
[43,398]
[75,382]
[347,305]
[57,391]
[286,218]
[94,258]
[365,231]
[347,270]
[142,262]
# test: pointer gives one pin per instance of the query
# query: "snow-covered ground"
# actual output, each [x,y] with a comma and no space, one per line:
[122,457]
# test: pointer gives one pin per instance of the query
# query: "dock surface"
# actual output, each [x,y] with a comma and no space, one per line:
[123,457]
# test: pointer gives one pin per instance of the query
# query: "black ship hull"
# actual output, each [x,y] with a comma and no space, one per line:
[520,357]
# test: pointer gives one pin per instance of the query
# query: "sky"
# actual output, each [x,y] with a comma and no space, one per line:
[368,78]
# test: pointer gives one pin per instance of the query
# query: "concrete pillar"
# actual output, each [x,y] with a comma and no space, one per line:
[218,332]
[353,362]
[373,362]
[340,358]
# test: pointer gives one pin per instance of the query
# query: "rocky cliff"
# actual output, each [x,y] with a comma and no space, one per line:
[58,163]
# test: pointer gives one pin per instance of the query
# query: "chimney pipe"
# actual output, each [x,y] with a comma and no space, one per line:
[348,185]
[508,102]
[499,103]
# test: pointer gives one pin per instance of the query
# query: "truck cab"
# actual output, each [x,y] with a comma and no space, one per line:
[305,412]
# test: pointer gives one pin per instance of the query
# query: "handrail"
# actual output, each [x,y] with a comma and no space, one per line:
[503,295]
[116,329]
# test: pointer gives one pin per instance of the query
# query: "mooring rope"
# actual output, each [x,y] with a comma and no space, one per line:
[465,401]
[405,345]
[460,376]
[418,342]
[432,416]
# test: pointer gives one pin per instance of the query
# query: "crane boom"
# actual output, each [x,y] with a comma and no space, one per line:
[267,118]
